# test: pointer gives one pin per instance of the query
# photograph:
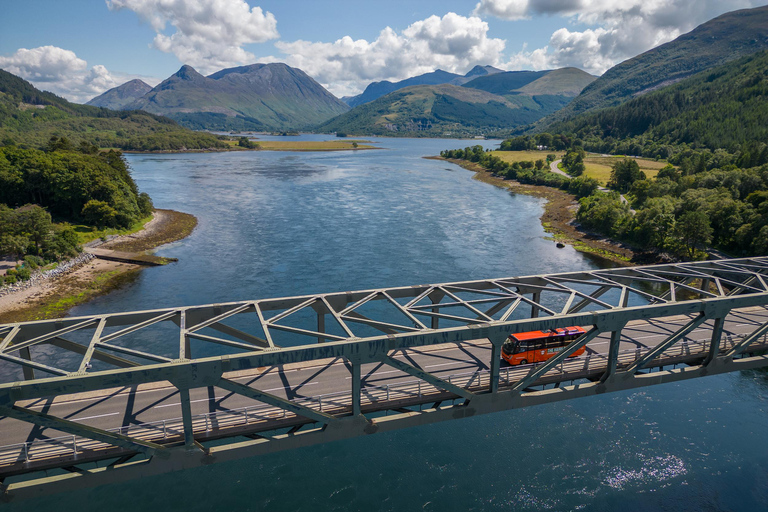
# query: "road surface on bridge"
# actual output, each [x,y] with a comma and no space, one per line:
[110,409]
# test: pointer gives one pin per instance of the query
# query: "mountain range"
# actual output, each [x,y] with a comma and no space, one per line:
[485,100]
[489,102]
[255,97]
[376,90]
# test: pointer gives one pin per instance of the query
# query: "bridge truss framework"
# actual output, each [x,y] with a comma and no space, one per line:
[403,318]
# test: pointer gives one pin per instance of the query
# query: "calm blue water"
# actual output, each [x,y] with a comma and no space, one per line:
[276,224]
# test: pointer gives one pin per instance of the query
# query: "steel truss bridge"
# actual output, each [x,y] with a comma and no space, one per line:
[104,398]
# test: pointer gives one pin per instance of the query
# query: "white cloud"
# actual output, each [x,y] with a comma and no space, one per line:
[452,43]
[209,34]
[59,71]
[618,30]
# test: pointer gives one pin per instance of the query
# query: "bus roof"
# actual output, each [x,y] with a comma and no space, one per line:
[535,335]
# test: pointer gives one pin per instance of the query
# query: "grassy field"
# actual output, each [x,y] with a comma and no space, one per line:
[520,156]
[298,145]
[87,233]
[599,167]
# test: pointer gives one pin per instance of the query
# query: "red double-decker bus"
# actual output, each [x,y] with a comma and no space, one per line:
[537,346]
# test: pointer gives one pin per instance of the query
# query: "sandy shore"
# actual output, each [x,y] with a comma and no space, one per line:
[52,298]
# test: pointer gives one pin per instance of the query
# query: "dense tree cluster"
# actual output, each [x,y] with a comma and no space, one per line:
[28,233]
[681,213]
[76,184]
[573,161]
[529,172]
[545,140]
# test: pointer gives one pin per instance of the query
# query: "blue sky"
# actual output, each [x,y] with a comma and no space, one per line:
[79,48]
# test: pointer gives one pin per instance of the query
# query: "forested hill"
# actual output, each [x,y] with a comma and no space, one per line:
[724,107]
[435,111]
[720,40]
[494,103]
[31,117]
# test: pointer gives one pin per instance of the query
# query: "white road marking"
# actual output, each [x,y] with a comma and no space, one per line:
[221,397]
[92,417]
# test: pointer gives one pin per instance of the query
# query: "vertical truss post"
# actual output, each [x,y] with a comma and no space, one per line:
[613,355]
[535,309]
[714,343]
[356,385]
[435,298]
[495,365]
[320,325]
[29,373]
[184,348]
[186,415]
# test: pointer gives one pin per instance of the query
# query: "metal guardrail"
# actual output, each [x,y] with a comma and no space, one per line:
[409,391]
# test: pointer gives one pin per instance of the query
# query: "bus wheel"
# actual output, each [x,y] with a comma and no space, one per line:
[524,361]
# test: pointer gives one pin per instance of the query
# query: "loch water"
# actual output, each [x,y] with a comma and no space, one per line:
[289,223]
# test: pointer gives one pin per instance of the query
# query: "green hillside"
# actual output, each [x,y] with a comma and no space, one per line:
[567,82]
[32,117]
[720,40]
[503,83]
[724,107]
[432,110]
[256,97]
[494,103]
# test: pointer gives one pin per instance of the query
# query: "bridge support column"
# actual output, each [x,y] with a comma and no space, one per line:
[186,415]
[320,326]
[29,373]
[714,343]
[613,355]
[495,365]
[535,309]
[356,385]
[435,297]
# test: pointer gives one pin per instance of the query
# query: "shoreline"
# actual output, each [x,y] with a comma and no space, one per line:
[559,213]
[54,297]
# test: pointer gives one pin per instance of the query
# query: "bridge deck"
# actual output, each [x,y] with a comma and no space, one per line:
[132,391]
[152,413]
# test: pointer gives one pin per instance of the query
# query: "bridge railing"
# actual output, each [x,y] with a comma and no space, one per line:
[404,393]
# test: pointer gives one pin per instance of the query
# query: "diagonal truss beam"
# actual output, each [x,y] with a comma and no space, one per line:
[78,429]
[746,342]
[45,337]
[427,377]
[539,371]
[276,401]
[664,345]
[33,364]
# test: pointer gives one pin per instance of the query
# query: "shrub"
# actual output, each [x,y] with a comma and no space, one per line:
[33,262]
[24,273]
[582,186]
[99,213]
[145,204]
